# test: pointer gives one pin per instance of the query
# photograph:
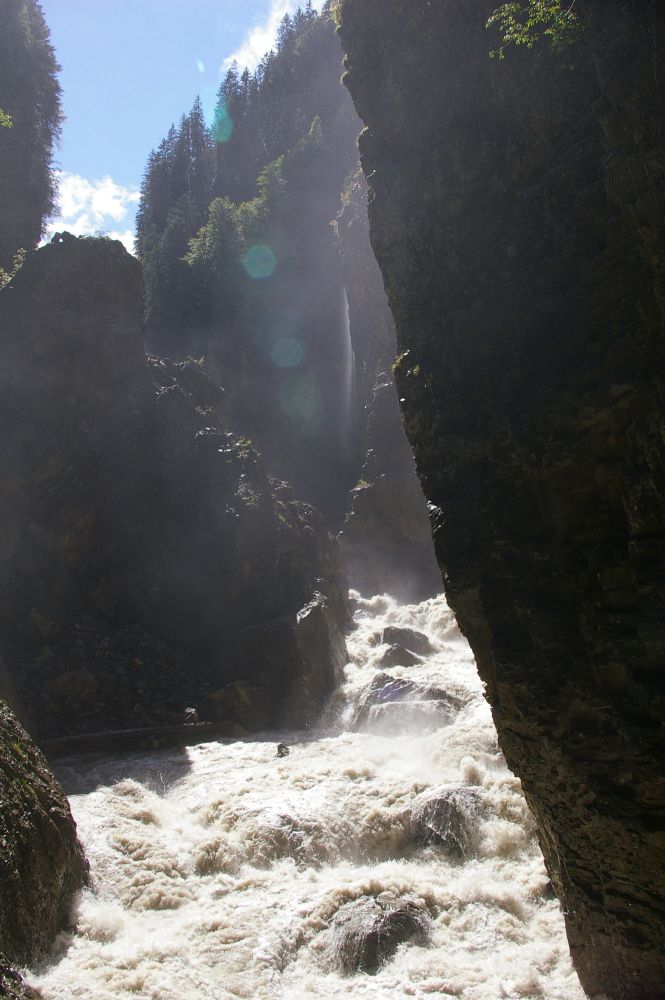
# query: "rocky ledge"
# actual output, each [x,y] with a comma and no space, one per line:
[517,212]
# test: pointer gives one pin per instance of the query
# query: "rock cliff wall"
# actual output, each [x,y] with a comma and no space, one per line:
[517,214]
[143,544]
[41,862]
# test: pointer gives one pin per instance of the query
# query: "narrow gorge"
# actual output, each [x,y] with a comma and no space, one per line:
[249,748]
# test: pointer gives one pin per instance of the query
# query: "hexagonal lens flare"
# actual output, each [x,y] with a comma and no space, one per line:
[259,262]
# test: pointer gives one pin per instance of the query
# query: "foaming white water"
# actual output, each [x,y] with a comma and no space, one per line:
[219,870]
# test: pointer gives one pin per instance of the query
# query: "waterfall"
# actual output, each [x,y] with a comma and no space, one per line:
[393,841]
[348,366]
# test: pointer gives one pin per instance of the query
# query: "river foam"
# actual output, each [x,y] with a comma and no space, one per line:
[218,871]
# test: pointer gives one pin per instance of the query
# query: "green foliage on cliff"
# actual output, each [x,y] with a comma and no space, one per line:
[5,120]
[30,95]
[278,141]
[530,21]
[6,274]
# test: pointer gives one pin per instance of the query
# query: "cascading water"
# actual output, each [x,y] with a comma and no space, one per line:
[398,844]
[348,368]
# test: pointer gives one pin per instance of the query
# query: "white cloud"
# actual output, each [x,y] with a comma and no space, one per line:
[88,207]
[261,38]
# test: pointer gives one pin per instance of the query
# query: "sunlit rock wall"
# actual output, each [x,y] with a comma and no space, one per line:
[517,213]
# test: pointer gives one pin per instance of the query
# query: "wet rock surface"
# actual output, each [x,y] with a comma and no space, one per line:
[431,706]
[448,818]
[517,216]
[144,547]
[368,932]
[398,656]
[41,862]
[407,638]
[12,986]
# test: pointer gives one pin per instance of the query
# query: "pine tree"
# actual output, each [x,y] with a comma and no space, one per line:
[200,166]
[30,95]
[280,146]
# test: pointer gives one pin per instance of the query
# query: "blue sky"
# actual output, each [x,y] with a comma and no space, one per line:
[129,69]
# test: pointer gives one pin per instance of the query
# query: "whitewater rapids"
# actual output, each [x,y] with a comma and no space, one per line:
[218,869]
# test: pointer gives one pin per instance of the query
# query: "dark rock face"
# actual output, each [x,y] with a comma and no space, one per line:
[143,541]
[12,986]
[307,648]
[517,213]
[368,931]
[41,862]
[398,656]
[386,538]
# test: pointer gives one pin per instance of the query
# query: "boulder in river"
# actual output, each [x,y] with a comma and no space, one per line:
[368,931]
[408,638]
[447,817]
[398,656]
[391,703]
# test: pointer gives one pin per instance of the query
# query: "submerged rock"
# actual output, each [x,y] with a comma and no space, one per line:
[448,818]
[368,931]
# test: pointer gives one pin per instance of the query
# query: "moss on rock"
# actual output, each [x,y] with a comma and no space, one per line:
[41,862]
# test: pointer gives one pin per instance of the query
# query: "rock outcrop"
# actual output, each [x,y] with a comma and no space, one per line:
[41,862]
[143,546]
[517,215]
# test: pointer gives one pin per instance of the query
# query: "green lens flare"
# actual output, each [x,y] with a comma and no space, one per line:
[259,262]
[222,125]
[301,399]
[287,352]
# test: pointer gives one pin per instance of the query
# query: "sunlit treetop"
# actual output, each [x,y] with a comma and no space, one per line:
[30,95]
[529,21]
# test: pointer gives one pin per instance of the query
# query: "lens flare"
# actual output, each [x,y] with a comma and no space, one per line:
[300,398]
[288,352]
[281,337]
[200,65]
[259,262]
[222,125]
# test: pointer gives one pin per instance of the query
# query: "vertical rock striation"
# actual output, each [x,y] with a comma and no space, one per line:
[517,212]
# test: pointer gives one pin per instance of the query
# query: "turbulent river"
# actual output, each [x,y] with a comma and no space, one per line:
[225,871]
